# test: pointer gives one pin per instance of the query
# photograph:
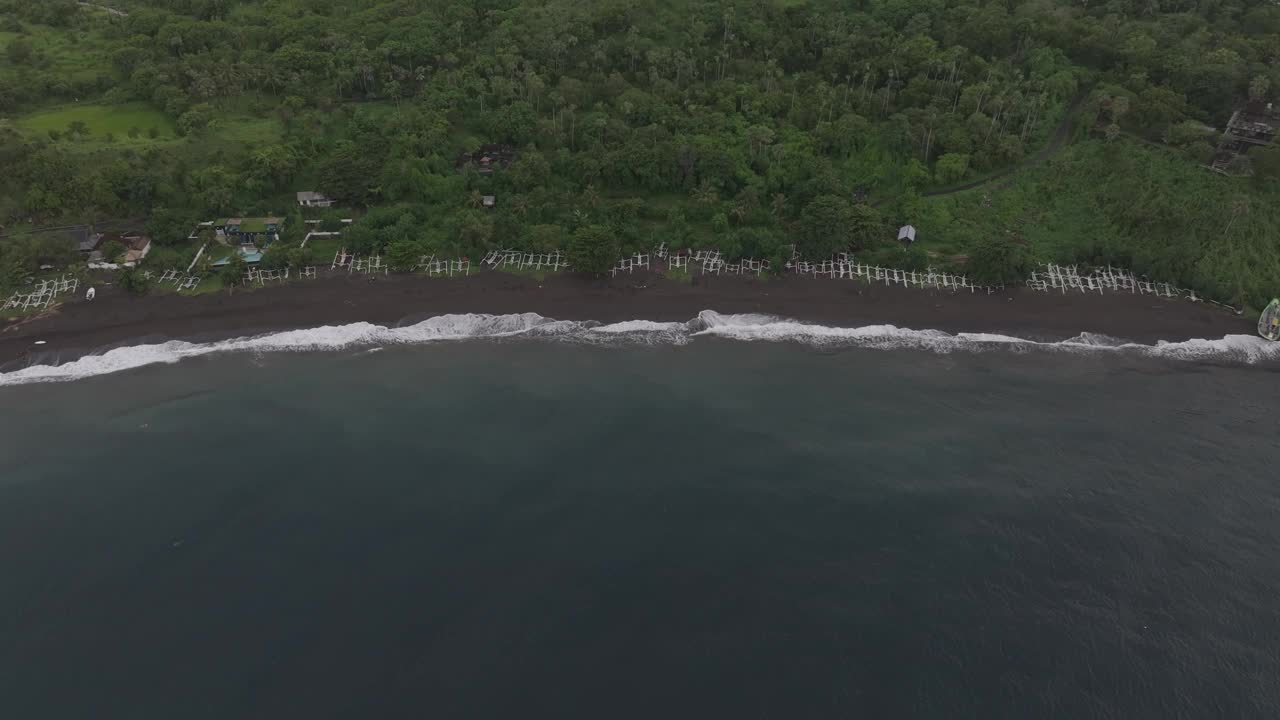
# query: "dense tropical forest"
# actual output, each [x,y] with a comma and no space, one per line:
[743,125]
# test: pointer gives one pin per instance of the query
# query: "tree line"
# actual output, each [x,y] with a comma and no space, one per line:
[747,125]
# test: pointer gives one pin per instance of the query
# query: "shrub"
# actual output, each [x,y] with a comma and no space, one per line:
[593,249]
[134,281]
[999,261]
[233,272]
[111,251]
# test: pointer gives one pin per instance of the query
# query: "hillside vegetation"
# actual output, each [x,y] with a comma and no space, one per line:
[744,125]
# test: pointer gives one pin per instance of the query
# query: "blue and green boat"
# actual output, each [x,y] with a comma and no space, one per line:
[1269,323]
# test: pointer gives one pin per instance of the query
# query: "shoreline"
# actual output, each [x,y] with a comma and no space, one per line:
[113,319]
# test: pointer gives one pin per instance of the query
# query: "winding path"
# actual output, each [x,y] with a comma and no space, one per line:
[108,10]
[1056,143]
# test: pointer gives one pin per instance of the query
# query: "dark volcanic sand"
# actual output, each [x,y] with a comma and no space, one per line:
[115,319]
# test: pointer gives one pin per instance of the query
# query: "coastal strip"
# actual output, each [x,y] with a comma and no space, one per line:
[115,319]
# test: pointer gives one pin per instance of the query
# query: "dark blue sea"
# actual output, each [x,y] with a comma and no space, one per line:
[511,529]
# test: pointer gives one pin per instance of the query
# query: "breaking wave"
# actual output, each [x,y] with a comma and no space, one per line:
[748,328]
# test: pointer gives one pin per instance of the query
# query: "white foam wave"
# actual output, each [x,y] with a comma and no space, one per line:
[329,337]
[1096,340]
[1239,348]
[632,326]
[634,331]
[745,327]
[770,329]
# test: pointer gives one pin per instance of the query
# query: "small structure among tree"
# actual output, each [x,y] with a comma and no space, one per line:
[88,238]
[85,238]
[128,248]
[1253,125]
[111,242]
[907,234]
[249,231]
[137,247]
[488,158]
[488,201]
[308,198]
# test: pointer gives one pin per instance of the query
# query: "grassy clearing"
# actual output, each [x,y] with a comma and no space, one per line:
[324,248]
[71,55]
[209,284]
[103,120]
[245,130]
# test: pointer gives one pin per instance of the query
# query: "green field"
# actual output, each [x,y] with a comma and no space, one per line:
[244,130]
[75,55]
[102,120]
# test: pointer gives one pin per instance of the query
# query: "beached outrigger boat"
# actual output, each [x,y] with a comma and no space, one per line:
[1269,323]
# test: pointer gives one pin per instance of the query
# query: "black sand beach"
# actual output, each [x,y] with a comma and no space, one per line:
[79,327]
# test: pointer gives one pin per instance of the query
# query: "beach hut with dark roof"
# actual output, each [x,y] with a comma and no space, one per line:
[86,239]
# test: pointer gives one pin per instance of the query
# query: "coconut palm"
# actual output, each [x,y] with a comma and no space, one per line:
[706,193]
[779,204]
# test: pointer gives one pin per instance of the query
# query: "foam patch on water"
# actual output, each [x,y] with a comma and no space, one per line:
[708,324]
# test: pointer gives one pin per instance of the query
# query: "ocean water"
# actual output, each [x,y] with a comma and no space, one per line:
[668,522]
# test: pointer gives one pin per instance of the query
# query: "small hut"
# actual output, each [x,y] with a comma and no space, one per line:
[907,234]
[308,198]
[488,158]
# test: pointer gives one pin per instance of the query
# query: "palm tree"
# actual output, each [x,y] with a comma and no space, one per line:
[590,195]
[1258,87]
[706,193]
[757,137]
[1239,206]
[475,199]
[779,204]
[520,205]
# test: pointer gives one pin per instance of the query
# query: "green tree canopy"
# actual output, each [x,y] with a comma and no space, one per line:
[952,167]
[831,225]
[593,249]
[403,255]
[133,281]
[997,260]
[233,272]
[112,251]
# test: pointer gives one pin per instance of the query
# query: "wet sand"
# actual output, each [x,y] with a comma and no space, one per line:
[114,319]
